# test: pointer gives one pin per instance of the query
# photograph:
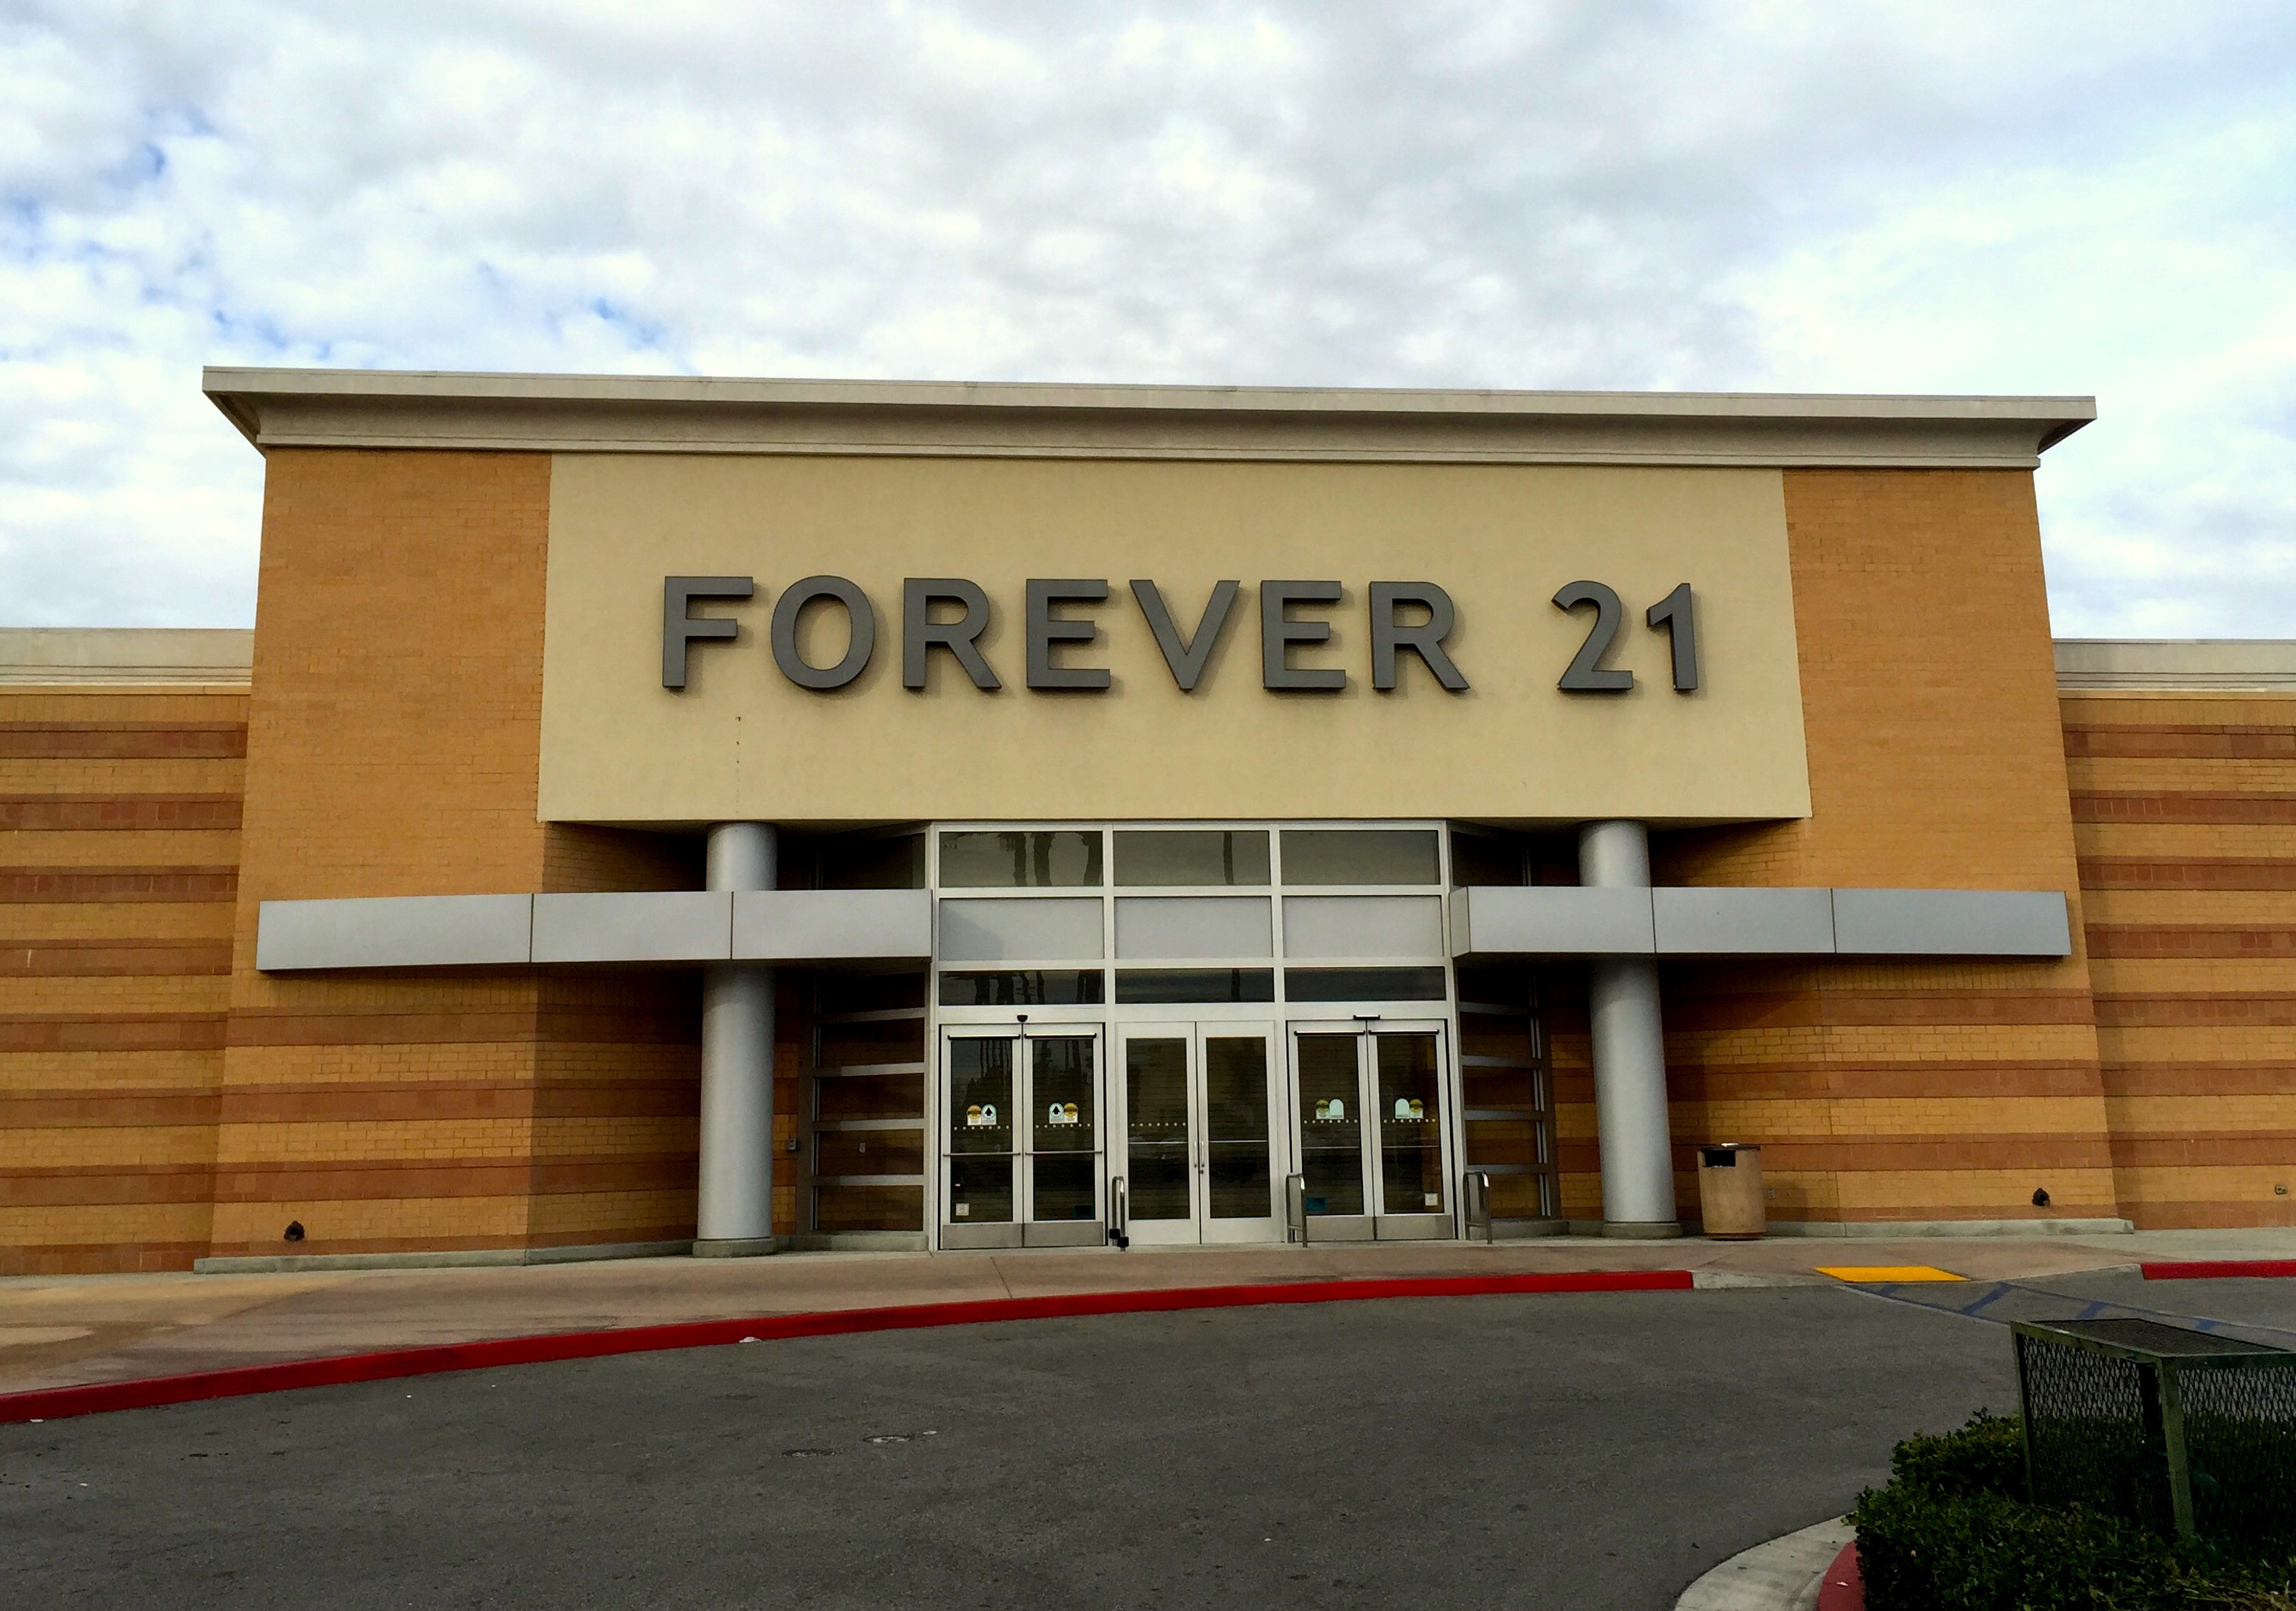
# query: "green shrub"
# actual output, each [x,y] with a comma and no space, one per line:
[1987,1456]
[1952,1531]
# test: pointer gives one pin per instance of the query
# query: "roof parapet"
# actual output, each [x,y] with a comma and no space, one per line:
[615,414]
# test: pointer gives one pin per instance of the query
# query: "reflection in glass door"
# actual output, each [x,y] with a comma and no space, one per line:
[1022,1120]
[1373,1158]
[1197,1161]
[1329,1089]
[1410,1125]
[980,1151]
[1159,1168]
[1064,1153]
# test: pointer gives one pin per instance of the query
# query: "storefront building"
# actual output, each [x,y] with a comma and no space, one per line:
[654,814]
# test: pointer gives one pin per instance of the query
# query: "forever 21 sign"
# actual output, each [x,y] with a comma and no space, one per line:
[951,614]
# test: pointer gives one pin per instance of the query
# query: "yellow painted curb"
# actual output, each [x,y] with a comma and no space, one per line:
[1873,1273]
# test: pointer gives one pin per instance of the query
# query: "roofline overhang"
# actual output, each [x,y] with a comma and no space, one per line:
[636,414]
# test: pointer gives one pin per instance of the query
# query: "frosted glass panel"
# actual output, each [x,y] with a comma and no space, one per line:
[1362,926]
[1175,926]
[1019,931]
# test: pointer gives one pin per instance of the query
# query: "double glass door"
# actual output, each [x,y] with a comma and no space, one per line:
[1197,1125]
[1023,1116]
[1374,1154]
[1199,1160]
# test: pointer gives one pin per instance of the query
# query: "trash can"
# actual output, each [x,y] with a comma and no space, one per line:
[1730,1197]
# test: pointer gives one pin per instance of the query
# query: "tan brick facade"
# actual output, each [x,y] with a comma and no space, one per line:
[1912,1091]
[2185,814]
[120,812]
[398,688]
[161,1100]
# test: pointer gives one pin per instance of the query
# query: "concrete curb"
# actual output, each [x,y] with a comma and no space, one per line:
[1784,1574]
[55,1403]
[2218,1270]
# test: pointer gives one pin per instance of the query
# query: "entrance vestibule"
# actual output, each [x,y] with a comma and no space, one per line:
[1204,1132]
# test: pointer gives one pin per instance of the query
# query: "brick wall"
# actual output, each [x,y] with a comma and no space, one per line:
[160,1099]
[2185,812]
[120,816]
[393,749]
[1900,1090]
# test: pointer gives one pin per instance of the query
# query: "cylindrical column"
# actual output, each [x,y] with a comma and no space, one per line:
[1629,1053]
[736,1215]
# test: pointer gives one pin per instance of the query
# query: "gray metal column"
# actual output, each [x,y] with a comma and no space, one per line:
[1629,1052]
[736,1215]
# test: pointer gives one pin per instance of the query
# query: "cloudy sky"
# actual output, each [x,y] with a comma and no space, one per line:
[2007,197]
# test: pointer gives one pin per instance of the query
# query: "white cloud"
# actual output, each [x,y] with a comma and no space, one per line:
[1962,198]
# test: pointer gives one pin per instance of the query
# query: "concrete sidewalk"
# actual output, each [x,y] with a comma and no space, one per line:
[60,1331]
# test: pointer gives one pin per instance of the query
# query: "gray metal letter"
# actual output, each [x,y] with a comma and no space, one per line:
[1186,656]
[1586,674]
[1678,611]
[735,1207]
[920,632]
[679,628]
[861,633]
[1629,1047]
[1046,629]
[1278,631]
[1425,639]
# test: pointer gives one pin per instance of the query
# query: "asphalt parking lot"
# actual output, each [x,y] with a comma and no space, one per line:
[1583,1450]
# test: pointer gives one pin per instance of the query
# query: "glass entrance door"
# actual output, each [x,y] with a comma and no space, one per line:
[1198,1160]
[1021,1114]
[1375,1153]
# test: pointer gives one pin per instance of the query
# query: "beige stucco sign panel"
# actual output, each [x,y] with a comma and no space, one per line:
[741,740]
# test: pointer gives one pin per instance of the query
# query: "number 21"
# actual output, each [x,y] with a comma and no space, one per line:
[1677,612]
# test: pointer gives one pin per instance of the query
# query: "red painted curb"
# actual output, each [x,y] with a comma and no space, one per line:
[1843,1586]
[54,1403]
[2207,1270]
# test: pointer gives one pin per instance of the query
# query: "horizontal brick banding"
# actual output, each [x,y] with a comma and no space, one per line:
[558,1026]
[1869,1008]
[122,813]
[98,1257]
[122,741]
[2273,1008]
[2197,809]
[1688,1079]
[2190,873]
[2147,741]
[461,1099]
[1913,1154]
[79,1109]
[119,884]
[2222,1149]
[2200,1078]
[76,1184]
[679,1232]
[2189,939]
[398,1179]
[111,1032]
[109,959]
